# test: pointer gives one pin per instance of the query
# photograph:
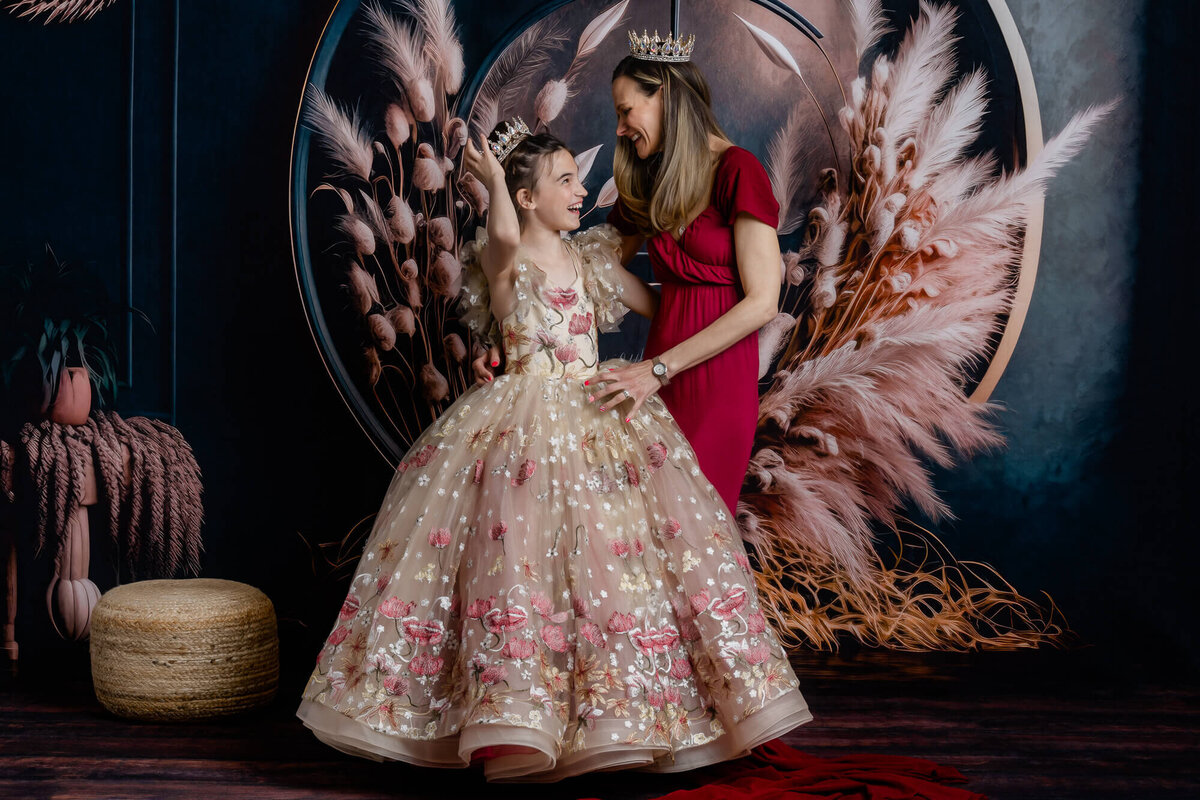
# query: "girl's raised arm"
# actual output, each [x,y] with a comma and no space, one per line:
[503,227]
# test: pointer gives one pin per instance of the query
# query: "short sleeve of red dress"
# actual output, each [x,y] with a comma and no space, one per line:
[617,218]
[741,186]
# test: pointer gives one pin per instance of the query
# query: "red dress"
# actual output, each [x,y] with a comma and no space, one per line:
[716,401]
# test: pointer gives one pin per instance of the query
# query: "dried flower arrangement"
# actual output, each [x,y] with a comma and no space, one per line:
[904,276]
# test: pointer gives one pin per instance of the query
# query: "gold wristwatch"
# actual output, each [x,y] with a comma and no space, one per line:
[660,370]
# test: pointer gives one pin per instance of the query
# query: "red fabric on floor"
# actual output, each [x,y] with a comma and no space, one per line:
[775,771]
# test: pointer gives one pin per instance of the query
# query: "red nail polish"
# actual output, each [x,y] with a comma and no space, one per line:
[495,363]
[489,377]
[587,383]
[627,419]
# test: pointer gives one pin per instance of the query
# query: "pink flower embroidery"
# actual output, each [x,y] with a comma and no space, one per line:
[758,653]
[638,547]
[431,631]
[580,323]
[541,603]
[681,668]
[426,664]
[349,608]
[478,470]
[657,454]
[423,458]
[654,640]
[439,537]
[688,630]
[580,606]
[671,528]
[742,561]
[508,620]
[381,583]
[394,608]
[591,631]
[493,675]
[560,297]
[546,339]
[338,636]
[525,472]
[671,695]
[498,530]
[700,601]
[553,636]
[566,353]
[655,699]
[756,623]
[479,607]
[631,472]
[620,623]
[731,603]
[619,547]
[518,649]
[395,684]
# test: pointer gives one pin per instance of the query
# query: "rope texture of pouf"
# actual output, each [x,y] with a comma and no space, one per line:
[184,649]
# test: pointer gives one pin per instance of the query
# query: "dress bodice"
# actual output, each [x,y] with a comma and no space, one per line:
[552,330]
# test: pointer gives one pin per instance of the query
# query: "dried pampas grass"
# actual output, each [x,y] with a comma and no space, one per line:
[911,276]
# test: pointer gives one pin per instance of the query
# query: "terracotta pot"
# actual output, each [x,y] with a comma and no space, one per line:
[74,400]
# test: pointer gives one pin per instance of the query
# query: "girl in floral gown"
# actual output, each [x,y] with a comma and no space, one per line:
[550,587]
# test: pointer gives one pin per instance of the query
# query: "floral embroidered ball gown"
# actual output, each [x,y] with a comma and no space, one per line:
[548,587]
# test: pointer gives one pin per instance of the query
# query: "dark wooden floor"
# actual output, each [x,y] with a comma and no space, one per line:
[1031,725]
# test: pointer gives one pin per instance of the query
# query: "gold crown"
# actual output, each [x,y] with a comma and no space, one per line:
[504,143]
[653,48]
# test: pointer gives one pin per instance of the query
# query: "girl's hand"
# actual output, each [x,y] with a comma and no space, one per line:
[632,384]
[484,365]
[482,163]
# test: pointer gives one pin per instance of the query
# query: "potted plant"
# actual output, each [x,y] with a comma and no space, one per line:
[54,340]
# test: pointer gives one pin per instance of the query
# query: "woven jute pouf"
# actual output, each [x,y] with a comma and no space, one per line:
[184,649]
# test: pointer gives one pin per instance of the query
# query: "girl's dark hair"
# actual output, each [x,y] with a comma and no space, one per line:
[525,164]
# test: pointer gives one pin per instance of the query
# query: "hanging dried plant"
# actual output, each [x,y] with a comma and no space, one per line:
[154,519]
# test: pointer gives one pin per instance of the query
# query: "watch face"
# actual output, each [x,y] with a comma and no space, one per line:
[660,369]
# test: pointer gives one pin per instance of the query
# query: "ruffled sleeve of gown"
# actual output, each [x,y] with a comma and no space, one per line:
[600,254]
[475,300]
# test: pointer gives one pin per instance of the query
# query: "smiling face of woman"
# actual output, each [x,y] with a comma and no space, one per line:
[639,116]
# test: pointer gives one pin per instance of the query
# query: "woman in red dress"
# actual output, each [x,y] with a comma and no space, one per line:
[705,211]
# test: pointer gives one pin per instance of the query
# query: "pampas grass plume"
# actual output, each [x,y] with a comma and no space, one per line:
[382,331]
[475,192]
[455,347]
[441,232]
[445,276]
[433,384]
[395,121]
[401,225]
[428,175]
[403,321]
[550,101]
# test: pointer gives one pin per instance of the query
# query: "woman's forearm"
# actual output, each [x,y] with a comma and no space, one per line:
[746,317]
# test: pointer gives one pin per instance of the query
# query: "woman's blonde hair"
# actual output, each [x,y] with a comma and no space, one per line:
[661,193]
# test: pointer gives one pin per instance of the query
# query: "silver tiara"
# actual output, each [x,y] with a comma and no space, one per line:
[504,143]
[653,48]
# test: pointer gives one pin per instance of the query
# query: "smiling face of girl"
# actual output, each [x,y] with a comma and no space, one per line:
[556,199]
